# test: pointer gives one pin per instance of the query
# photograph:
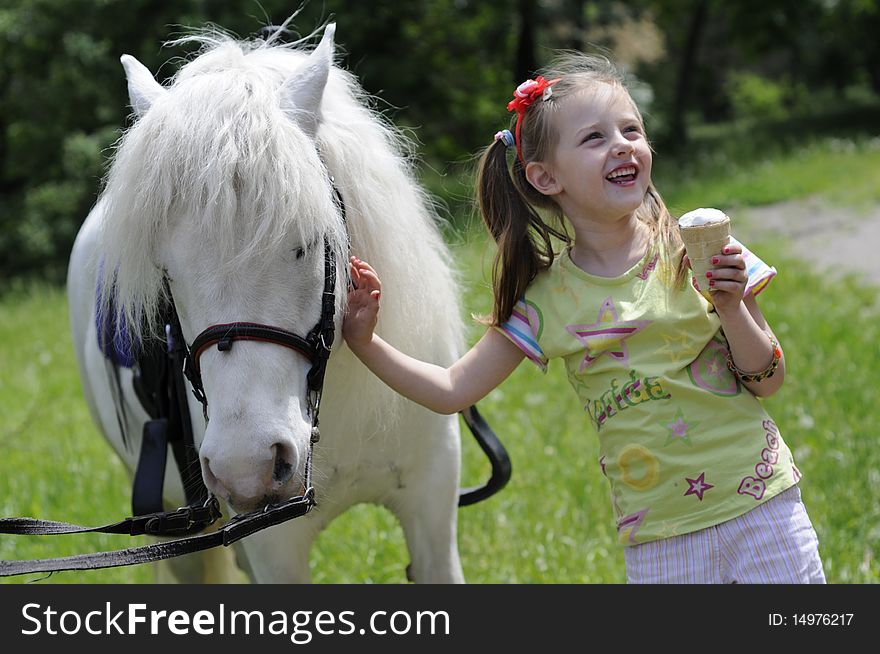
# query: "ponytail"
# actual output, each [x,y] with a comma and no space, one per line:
[524,239]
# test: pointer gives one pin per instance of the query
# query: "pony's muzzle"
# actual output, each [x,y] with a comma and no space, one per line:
[246,482]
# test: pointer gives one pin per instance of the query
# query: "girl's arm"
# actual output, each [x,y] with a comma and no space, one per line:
[444,390]
[747,332]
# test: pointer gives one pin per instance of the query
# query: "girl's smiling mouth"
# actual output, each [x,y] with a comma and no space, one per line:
[623,175]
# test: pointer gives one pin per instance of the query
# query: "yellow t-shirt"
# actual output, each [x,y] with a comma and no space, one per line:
[683,443]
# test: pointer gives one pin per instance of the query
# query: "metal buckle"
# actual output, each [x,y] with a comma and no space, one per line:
[183,519]
[245,524]
[170,522]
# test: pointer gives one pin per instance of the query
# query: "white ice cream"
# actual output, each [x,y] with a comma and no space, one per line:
[701,217]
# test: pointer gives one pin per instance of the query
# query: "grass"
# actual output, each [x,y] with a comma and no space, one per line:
[553,523]
[53,463]
[843,171]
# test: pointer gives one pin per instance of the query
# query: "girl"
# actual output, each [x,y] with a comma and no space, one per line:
[702,484]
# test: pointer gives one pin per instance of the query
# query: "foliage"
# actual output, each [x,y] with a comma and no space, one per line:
[753,96]
[440,70]
[63,100]
[62,103]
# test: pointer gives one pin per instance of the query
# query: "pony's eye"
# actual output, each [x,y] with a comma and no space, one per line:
[299,252]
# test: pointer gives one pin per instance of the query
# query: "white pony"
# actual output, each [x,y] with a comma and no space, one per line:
[224,186]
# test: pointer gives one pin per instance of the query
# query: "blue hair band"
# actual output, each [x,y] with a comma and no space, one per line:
[506,137]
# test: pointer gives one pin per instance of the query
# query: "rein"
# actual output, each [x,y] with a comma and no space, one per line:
[237,528]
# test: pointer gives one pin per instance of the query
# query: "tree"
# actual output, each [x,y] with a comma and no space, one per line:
[687,58]
[63,96]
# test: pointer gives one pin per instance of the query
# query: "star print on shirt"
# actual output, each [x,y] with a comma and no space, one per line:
[606,336]
[679,429]
[698,486]
[677,347]
[714,368]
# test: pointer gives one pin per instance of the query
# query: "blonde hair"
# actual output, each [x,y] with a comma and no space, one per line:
[523,221]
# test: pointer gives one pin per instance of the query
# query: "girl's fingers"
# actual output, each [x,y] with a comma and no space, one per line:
[364,269]
[732,248]
[730,275]
[367,266]
[366,286]
[729,261]
[355,277]
[721,285]
[360,263]
[369,279]
[737,275]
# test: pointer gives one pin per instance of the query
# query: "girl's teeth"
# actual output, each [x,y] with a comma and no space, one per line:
[621,173]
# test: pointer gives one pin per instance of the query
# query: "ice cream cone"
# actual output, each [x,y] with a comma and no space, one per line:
[704,233]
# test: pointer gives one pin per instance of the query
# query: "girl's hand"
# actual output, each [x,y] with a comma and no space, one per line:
[363,304]
[727,280]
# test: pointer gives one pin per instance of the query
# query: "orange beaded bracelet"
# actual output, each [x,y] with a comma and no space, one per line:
[763,374]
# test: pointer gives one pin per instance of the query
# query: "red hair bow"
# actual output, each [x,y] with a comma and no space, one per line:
[523,98]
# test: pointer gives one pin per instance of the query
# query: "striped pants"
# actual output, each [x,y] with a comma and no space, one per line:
[774,543]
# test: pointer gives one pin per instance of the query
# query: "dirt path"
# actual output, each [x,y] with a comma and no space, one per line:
[840,239]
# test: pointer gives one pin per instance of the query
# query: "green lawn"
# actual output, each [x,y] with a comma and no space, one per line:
[843,171]
[553,523]
[53,463]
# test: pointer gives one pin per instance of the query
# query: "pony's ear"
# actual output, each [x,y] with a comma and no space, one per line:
[301,93]
[143,90]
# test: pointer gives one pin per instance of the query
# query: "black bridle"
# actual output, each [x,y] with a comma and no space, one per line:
[315,347]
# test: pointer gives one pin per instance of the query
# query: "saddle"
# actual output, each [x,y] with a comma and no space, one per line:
[159,384]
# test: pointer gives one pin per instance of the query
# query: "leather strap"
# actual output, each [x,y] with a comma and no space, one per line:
[149,477]
[494,450]
[170,425]
[161,523]
[234,530]
[224,334]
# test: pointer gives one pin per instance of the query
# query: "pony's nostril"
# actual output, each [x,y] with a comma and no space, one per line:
[211,480]
[207,473]
[283,469]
